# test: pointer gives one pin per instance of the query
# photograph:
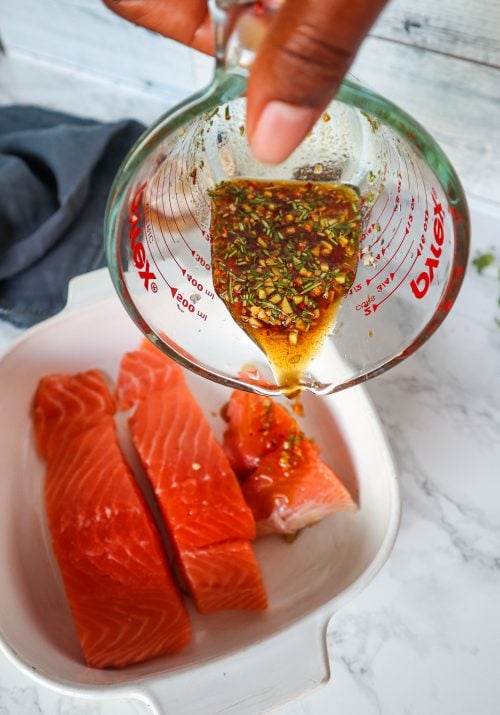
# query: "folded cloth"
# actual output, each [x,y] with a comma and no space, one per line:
[56,172]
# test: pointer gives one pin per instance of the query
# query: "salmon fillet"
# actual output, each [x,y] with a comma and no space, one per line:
[256,426]
[225,576]
[142,372]
[191,476]
[199,496]
[284,480]
[125,604]
[66,405]
[293,488]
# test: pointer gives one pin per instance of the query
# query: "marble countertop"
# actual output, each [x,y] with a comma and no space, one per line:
[423,638]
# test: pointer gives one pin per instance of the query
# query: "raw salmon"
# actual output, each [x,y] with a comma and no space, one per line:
[142,372]
[284,481]
[125,604]
[199,496]
[190,473]
[256,426]
[225,575]
[293,488]
[67,405]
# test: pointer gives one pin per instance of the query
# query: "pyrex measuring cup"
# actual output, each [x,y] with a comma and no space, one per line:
[413,250]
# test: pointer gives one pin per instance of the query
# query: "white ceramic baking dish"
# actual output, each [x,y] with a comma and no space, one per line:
[240,663]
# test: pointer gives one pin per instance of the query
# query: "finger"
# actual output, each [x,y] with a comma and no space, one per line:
[187,21]
[309,48]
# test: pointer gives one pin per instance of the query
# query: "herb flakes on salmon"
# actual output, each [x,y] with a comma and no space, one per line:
[293,488]
[284,480]
[256,426]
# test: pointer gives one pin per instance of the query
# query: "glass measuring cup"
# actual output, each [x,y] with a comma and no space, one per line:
[413,249]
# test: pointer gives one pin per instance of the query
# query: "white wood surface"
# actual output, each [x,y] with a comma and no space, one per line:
[438,61]
[58,28]
[84,34]
[462,28]
[457,101]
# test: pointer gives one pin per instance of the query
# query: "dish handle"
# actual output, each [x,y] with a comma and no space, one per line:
[253,681]
[88,288]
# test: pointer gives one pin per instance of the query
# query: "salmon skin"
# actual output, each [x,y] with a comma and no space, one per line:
[125,604]
[200,499]
[293,488]
[284,480]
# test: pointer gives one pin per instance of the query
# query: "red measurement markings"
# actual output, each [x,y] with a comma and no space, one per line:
[403,155]
[382,253]
[136,240]
[424,187]
[397,203]
[423,235]
[392,274]
[199,286]
[150,233]
[194,282]
[415,175]
[181,302]
[150,236]
[203,233]
[456,215]
[389,160]
[173,214]
[191,174]
[422,283]
[195,254]
[203,263]
[393,290]
[409,223]
[380,195]
[355,289]
[380,187]
[370,306]
[409,220]
[366,305]
[186,306]
[376,222]
[180,212]
[163,235]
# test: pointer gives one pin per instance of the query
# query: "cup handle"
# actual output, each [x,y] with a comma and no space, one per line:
[265,676]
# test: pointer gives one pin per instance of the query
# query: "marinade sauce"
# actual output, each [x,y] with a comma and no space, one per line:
[284,255]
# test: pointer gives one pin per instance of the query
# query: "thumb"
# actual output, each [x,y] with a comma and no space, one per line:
[299,67]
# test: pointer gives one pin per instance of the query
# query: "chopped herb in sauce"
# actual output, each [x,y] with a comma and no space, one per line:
[284,255]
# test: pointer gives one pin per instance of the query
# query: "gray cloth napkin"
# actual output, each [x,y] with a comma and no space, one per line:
[56,172]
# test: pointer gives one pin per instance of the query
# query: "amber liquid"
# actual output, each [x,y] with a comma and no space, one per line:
[284,256]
